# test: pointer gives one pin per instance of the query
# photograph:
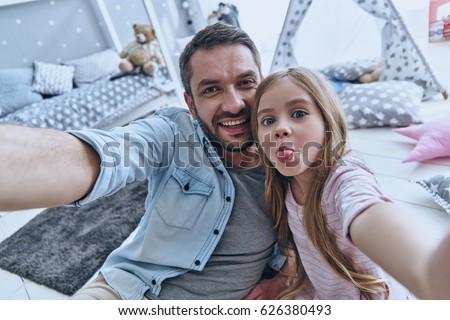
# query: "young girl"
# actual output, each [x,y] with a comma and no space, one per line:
[348,240]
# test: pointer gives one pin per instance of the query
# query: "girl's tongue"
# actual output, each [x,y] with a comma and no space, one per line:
[285,154]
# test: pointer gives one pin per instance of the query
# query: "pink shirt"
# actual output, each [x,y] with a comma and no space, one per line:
[349,190]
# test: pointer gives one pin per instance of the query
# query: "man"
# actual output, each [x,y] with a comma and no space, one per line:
[205,233]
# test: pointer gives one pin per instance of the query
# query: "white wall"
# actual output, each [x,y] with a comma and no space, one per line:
[261,19]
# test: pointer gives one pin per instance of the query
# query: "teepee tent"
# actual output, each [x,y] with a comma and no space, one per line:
[317,33]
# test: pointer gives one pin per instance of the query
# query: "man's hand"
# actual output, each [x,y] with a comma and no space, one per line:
[42,168]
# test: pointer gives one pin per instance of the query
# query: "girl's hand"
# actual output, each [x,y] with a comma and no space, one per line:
[268,289]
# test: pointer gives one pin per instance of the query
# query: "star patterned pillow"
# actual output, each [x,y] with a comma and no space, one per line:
[390,103]
[439,188]
[96,66]
[433,139]
[349,70]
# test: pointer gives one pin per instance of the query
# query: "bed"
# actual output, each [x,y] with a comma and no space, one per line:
[66,74]
[101,104]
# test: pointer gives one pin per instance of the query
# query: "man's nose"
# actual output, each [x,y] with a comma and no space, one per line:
[233,101]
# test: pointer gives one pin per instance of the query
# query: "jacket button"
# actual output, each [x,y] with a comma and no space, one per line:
[220,171]
[153,282]
[216,231]
[227,199]
[186,187]
[197,262]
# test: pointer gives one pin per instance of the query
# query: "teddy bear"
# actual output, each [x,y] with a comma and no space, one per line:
[143,52]
[374,73]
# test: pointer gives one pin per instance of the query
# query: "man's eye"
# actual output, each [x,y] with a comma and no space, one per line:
[247,83]
[209,90]
[298,114]
[267,121]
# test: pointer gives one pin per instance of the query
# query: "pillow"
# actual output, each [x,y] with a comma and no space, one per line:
[350,70]
[96,66]
[433,139]
[384,103]
[52,79]
[15,90]
[439,188]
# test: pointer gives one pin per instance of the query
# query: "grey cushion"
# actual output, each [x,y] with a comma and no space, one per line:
[439,188]
[52,79]
[384,103]
[97,66]
[350,70]
[15,90]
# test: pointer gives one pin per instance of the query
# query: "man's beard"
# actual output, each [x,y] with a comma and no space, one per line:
[218,140]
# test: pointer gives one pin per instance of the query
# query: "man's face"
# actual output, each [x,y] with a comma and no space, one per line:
[224,81]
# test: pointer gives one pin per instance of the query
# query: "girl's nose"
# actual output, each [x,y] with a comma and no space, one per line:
[282,130]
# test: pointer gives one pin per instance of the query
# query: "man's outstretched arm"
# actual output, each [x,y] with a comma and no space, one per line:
[43,168]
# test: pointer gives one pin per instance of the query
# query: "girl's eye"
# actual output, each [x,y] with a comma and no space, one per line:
[267,121]
[298,114]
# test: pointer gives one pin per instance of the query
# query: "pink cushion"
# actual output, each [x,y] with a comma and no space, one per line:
[433,139]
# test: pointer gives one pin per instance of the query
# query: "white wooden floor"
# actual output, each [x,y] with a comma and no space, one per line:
[382,149]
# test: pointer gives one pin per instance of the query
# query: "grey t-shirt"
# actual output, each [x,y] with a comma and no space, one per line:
[241,256]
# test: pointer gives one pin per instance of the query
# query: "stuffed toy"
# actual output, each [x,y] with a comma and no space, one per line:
[227,13]
[213,17]
[374,73]
[144,52]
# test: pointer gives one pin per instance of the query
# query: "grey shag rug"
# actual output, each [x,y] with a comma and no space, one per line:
[61,248]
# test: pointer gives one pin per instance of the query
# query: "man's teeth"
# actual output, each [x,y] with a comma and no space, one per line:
[233,123]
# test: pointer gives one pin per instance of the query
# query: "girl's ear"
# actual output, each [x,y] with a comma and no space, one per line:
[190,103]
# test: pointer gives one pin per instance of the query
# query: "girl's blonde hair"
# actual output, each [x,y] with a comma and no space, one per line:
[315,223]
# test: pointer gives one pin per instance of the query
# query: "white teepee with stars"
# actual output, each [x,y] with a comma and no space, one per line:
[403,59]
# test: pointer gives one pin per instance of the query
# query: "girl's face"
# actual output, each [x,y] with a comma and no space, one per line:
[291,128]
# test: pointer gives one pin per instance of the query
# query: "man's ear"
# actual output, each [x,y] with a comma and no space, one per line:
[190,103]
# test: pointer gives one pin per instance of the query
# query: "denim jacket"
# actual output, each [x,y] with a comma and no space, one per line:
[190,197]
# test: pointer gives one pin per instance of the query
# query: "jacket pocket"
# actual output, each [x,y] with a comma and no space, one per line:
[183,199]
